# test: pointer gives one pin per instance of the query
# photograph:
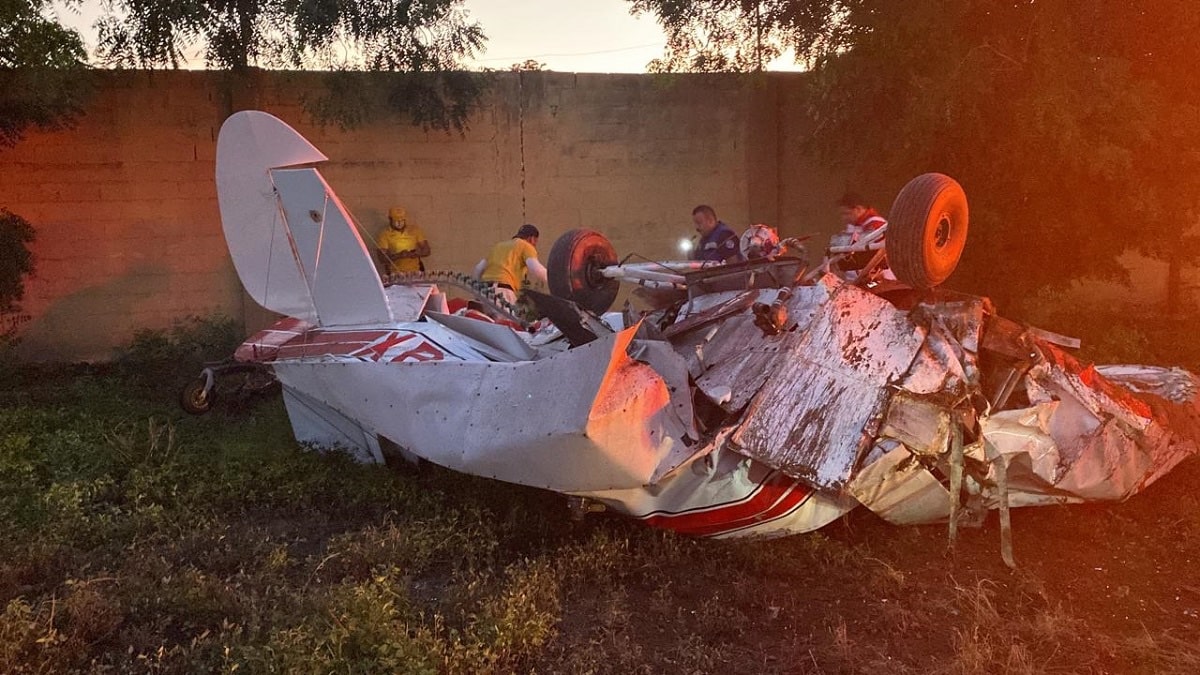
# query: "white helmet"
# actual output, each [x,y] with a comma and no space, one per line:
[760,241]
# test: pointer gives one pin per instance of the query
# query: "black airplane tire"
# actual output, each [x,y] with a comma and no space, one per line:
[196,398]
[927,230]
[574,270]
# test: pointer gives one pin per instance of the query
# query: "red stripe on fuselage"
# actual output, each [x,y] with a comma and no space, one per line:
[777,496]
[267,345]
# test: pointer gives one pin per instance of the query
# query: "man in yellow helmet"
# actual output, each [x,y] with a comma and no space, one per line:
[402,244]
[507,263]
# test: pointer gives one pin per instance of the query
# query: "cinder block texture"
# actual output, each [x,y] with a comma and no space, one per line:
[126,213]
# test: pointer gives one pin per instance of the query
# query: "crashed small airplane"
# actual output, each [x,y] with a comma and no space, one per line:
[759,398]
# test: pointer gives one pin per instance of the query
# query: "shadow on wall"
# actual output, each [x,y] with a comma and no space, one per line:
[86,325]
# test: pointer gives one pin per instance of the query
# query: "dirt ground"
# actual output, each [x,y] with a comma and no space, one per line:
[1098,589]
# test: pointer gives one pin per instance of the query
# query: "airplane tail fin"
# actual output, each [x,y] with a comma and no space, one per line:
[292,241]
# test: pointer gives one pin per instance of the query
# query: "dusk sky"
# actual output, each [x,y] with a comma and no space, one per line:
[566,35]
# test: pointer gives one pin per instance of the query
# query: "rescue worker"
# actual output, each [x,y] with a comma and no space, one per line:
[509,261]
[858,218]
[718,242]
[402,244]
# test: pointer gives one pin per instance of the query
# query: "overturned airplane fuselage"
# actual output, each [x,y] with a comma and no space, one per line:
[702,417]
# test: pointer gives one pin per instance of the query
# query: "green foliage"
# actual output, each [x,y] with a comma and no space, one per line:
[43,77]
[710,37]
[432,100]
[427,40]
[1066,122]
[527,66]
[154,355]
[1113,334]
[1107,336]
[43,85]
[199,545]
[16,262]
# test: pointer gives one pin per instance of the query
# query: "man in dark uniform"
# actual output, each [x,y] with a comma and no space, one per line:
[717,241]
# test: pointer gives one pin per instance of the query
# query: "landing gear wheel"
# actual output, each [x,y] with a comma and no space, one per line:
[574,270]
[927,229]
[197,398]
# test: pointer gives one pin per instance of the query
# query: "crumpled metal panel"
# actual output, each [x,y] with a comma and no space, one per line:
[1087,438]
[673,371]
[948,362]
[498,341]
[409,302]
[1172,384]
[1113,463]
[1171,394]
[1061,374]
[1032,461]
[1113,440]
[921,425]
[1110,464]
[1026,431]
[591,418]
[729,356]
[736,358]
[1087,401]
[899,489]
[810,419]
[738,302]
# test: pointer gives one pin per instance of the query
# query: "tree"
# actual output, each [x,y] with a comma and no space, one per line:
[42,71]
[426,41]
[15,263]
[43,85]
[711,37]
[1071,123]
[527,66]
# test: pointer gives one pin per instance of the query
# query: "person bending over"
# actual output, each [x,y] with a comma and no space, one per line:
[509,261]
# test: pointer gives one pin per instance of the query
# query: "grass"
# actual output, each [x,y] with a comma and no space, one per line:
[136,539]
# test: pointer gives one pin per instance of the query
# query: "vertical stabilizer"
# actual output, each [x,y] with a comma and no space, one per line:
[292,241]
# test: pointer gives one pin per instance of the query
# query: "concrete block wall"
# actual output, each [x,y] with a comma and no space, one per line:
[129,233]
[126,217]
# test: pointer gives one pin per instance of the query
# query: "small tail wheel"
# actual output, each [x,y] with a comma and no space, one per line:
[574,270]
[197,397]
[927,230]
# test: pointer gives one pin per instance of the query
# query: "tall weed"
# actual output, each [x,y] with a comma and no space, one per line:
[159,359]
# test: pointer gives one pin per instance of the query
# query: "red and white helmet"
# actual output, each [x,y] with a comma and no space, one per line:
[760,241]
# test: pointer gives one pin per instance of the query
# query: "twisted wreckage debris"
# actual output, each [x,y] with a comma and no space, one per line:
[755,401]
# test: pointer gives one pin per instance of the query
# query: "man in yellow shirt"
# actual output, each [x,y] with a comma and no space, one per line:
[508,262]
[402,244]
